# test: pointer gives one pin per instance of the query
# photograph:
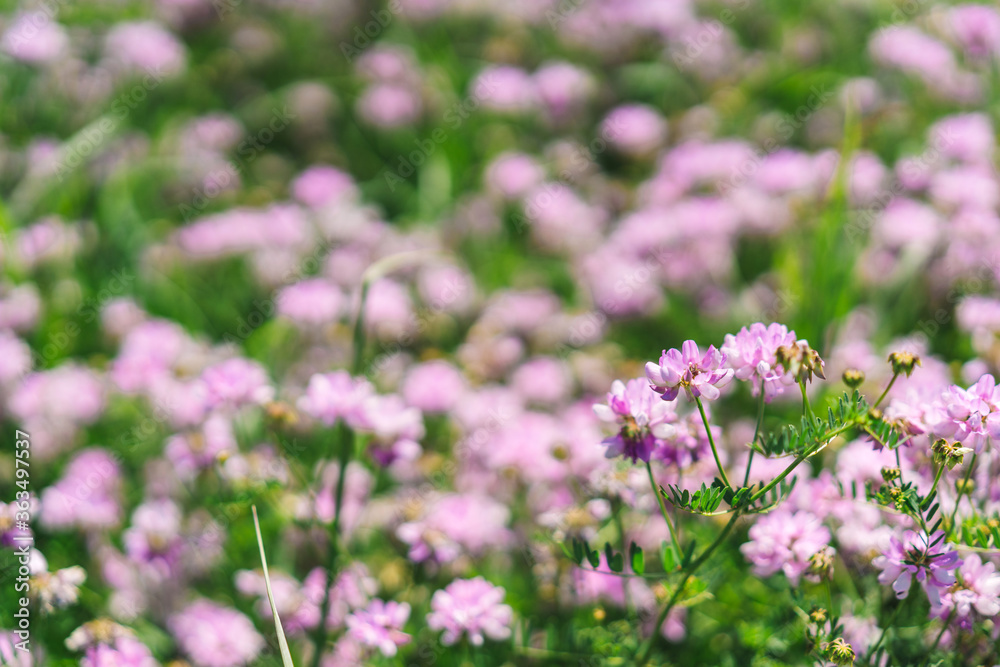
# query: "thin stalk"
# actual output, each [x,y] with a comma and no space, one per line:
[887,388]
[937,640]
[806,406]
[892,621]
[620,525]
[666,517]
[711,441]
[756,433]
[643,654]
[345,439]
[937,478]
[961,492]
[799,459]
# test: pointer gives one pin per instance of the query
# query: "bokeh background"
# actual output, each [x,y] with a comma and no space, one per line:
[550,194]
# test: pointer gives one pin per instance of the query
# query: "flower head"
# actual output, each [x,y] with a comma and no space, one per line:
[976,594]
[380,626]
[215,636]
[923,556]
[971,415]
[787,542]
[472,606]
[641,416]
[752,354]
[699,374]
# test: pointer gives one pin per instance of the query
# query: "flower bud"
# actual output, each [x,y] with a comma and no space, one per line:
[890,474]
[903,362]
[853,378]
[839,652]
[948,453]
[801,361]
[818,615]
[821,564]
[965,485]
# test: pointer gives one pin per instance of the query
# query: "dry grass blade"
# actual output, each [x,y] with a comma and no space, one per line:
[286,657]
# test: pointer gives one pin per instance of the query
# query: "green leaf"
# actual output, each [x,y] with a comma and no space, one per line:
[667,556]
[688,554]
[615,560]
[637,559]
[594,558]
[578,551]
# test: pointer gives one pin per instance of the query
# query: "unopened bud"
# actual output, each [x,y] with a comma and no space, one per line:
[890,474]
[821,564]
[853,378]
[800,360]
[839,652]
[282,413]
[903,362]
[948,453]
[965,485]
[818,615]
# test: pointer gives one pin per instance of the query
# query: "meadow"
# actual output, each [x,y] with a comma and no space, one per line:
[564,332]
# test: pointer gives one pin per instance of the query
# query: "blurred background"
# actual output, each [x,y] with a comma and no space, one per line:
[572,186]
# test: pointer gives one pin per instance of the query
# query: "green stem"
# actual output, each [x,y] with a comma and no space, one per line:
[756,433]
[937,478]
[666,517]
[806,407]
[892,621]
[359,333]
[643,654]
[888,387]
[961,492]
[711,441]
[620,525]
[937,639]
[345,438]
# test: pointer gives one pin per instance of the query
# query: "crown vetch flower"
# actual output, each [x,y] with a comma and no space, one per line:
[108,644]
[699,374]
[977,593]
[927,558]
[213,635]
[785,541]
[473,606]
[641,417]
[237,382]
[973,413]
[380,626]
[332,396]
[752,354]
